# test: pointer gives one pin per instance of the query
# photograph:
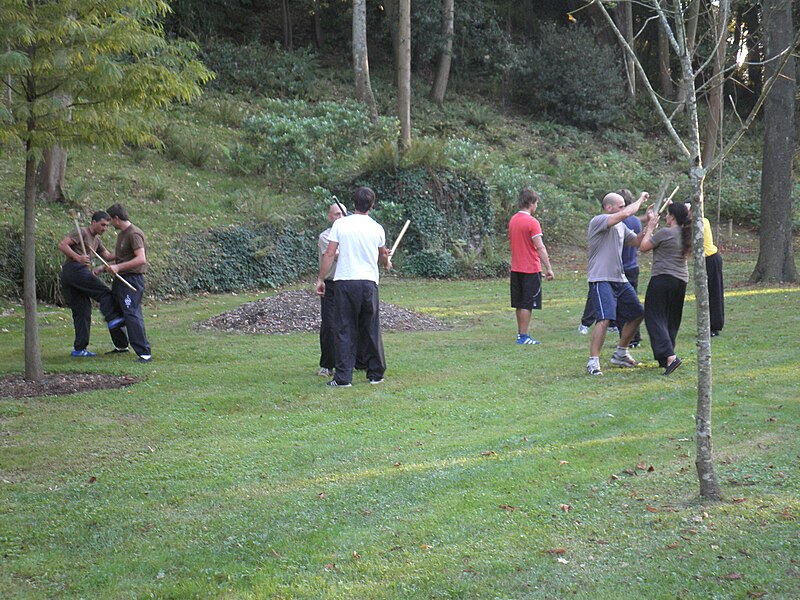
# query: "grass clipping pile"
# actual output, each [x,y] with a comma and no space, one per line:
[294,311]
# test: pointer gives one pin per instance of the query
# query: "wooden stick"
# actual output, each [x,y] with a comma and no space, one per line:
[400,237]
[117,275]
[80,233]
[667,201]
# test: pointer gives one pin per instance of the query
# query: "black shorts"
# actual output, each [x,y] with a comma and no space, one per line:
[526,290]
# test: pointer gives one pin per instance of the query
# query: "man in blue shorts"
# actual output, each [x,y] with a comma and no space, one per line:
[612,295]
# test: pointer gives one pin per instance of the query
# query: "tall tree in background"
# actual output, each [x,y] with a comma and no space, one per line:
[404,73]
[361,58]
[83,75]
[776,257]
[718,25]
[445,57]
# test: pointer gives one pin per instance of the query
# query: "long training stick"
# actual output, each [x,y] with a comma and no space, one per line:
[339,204]
[666,202]
[80,233]
[117,275]
[400,237]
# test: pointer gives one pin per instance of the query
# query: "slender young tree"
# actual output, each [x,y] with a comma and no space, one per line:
[445,57]
[361,58]
[114,66]
[776,256]
[404,73]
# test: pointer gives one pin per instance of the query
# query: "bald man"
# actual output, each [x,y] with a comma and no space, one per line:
[612,295]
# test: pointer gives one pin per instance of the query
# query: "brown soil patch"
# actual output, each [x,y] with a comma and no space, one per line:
[15,386]
[295,311]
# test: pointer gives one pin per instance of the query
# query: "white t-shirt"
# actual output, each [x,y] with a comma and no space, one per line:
[359,237]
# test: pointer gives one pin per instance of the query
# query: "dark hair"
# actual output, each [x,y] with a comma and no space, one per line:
[364,199]
[100,215]
[626,194]
[680,213]
[117,210]
[527,197]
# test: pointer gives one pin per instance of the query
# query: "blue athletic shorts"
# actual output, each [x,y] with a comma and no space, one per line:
[614,301]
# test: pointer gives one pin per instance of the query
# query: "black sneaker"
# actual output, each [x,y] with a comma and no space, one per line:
[118,351]
[146,358]
[673,365]
[334,383]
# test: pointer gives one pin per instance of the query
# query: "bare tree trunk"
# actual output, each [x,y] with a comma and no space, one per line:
[360,58]
[755,54]
[286,19]
[664,71]
[691,34]
[319,37]
[51,172]
[392,21]
[625,17]
[404,74]
[34,371]
[443,69]
[776,257]
[719,26]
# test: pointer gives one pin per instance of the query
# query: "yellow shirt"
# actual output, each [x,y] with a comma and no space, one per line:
[708,240]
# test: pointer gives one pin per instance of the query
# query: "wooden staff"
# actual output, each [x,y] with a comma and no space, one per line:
[667,201]
[117,275]
[80,233]
[400,237]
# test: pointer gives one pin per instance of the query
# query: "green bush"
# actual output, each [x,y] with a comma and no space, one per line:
[573,76]
[266,70]
[436,264]
[238,258]
[48,265]
[295,139]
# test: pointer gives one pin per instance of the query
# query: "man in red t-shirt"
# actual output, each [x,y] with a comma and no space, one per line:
[528,254]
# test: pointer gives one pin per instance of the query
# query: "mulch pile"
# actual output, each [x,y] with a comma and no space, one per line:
[15,386]
[294,311]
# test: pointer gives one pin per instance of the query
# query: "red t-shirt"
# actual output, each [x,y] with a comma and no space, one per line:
[522,228]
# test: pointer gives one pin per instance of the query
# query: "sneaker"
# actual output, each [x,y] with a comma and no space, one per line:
[376,381]
[323,372]
[82,353]
[634,344]
[118,351]
[334,383]
[114,323]
[526,340]
[613,329]
[583,329]
[714,333]
[673,365]
[623,359]
[593,369]
[145,358]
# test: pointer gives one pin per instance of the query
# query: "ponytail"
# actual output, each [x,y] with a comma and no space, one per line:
[680,213]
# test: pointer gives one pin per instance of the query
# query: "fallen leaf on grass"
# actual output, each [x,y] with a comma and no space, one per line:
[629,472]
[641,466]
[651,509]
[563,561]
[739,500]
[92,479]
[425,546]
[756,594]
[565,507]
[673,545]
[557,551]
[398,464]
[563,462]
[508,507]
[330,567]
[356,555]
[732,576]
[772,419]
[488,453]
[321,495]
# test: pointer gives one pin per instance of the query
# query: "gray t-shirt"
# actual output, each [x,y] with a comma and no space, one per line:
[323,246]
[605,249]
[668,256]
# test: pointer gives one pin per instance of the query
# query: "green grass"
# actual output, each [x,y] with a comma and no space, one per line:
[230,471]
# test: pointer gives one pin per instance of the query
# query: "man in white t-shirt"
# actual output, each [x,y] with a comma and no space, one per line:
[361,246]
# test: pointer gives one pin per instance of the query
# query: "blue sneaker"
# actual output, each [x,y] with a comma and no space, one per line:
[82,353]
[526,339]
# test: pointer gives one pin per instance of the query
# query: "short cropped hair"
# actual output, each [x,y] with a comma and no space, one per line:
[527,197]
[364,199]
[100,215]
[117,210]
[627,195]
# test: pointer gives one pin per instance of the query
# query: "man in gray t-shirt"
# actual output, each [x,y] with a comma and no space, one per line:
[611,294]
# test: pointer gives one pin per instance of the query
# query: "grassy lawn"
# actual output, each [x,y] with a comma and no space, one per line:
[480,469]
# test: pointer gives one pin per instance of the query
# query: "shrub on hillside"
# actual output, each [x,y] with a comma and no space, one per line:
[573,76]
[48,265]
[238,257]
[258,69]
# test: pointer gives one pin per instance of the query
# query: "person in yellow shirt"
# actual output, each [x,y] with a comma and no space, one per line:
[716,297]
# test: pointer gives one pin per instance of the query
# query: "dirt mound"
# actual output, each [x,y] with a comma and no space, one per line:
[15,386]
[293,311]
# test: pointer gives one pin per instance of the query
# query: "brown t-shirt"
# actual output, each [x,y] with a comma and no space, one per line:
[91,241]
[128,241]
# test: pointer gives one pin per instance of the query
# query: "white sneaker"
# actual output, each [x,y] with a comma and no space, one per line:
[323,372]
[583,329]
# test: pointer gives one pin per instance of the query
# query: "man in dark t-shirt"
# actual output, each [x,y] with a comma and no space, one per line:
[130,262]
